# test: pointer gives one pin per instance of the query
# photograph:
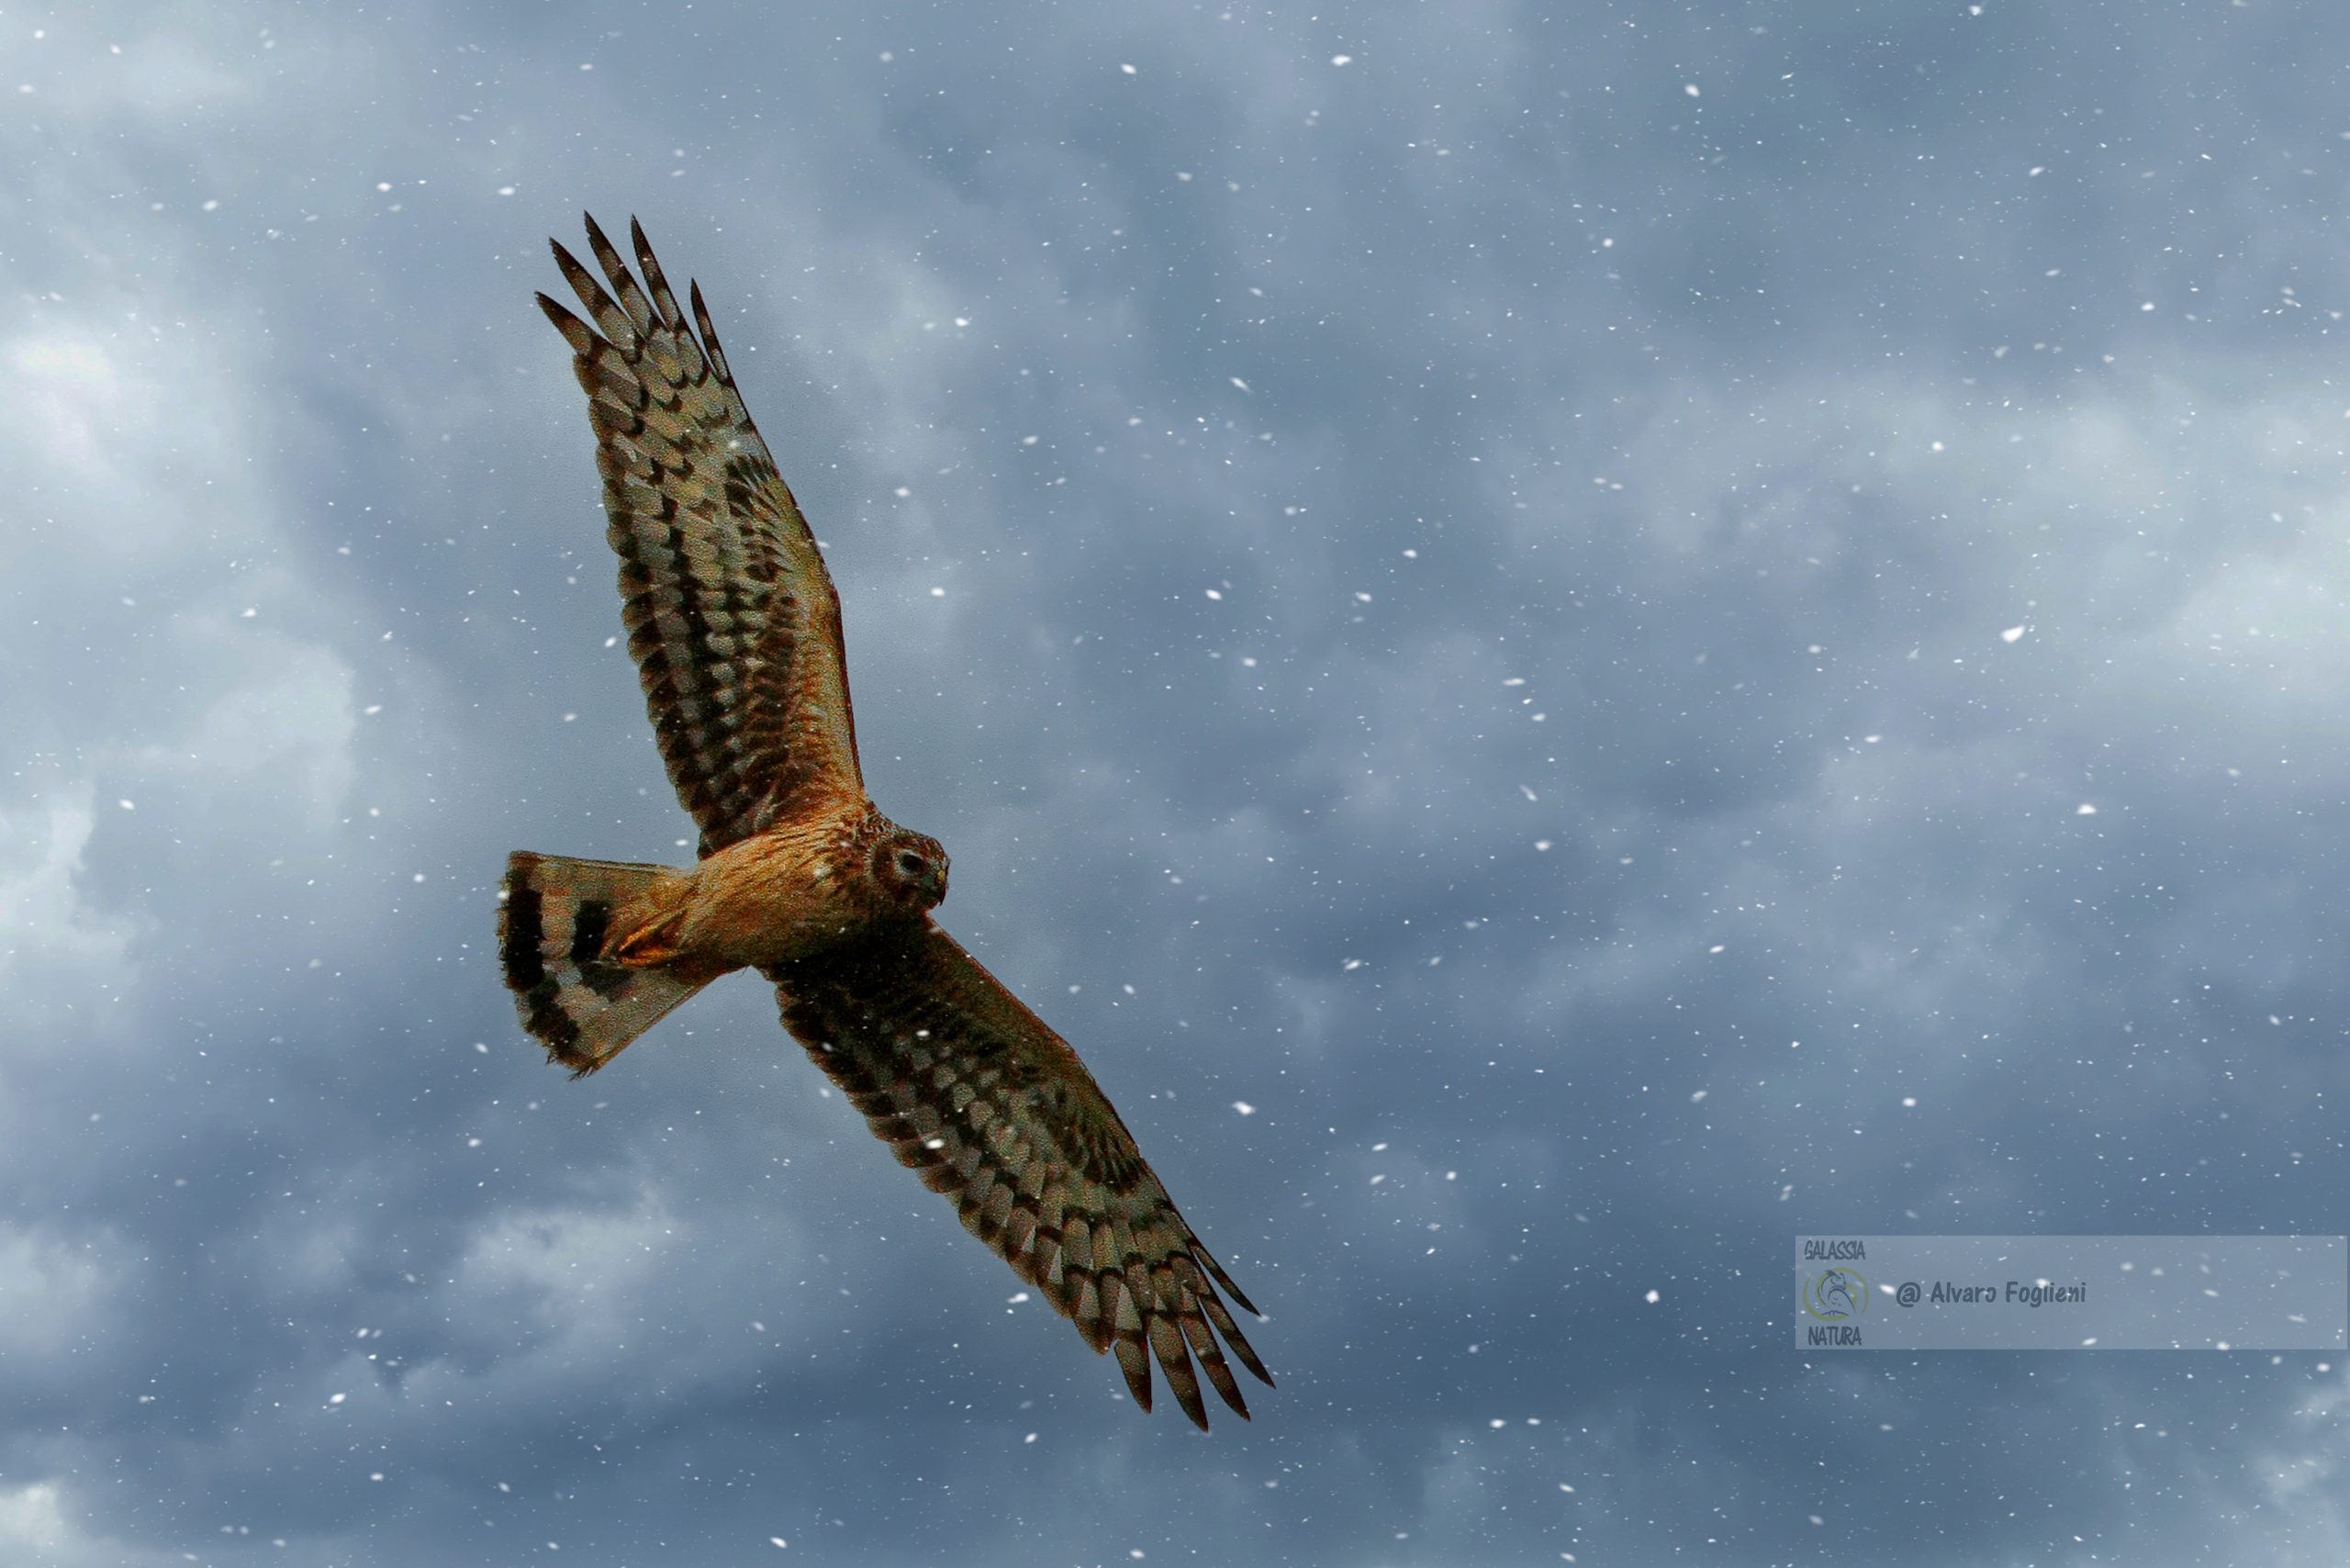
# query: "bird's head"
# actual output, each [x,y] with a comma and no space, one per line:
[910,868]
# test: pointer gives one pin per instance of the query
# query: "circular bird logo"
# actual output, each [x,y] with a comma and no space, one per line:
[1835,1294]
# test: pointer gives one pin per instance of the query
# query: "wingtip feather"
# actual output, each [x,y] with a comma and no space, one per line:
[710,343]
[1175,1361]
[656,282]
[610,319]
[575,331]
[624,285]
[1136,1367]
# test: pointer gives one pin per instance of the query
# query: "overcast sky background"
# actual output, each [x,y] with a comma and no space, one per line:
[1600,821]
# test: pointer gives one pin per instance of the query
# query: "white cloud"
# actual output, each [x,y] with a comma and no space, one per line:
[46,929]
[54,1294]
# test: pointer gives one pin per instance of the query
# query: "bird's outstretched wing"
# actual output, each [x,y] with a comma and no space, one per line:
[973,1091]
[731,616]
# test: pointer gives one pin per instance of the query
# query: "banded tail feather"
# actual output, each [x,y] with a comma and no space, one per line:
[558,922]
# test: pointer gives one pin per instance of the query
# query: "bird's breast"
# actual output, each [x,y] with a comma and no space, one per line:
[775,897]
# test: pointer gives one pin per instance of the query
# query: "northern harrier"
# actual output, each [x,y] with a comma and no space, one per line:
[736,635]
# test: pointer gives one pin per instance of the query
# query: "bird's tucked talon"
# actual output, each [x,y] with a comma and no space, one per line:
[647,946]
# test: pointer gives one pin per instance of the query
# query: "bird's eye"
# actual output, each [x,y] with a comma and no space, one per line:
[908,863]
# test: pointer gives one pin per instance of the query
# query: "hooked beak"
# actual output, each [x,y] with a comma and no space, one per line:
[933,886]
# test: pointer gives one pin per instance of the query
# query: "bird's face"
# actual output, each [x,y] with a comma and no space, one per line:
[911,868]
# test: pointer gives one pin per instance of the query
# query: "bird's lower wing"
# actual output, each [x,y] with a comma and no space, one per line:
[973,1091]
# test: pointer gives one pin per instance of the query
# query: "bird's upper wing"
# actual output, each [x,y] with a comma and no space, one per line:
[731,616]
[973,1091]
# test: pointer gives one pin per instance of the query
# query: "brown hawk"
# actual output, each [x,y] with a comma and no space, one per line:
[736,634]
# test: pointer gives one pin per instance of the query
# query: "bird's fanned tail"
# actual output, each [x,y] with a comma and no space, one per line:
[557,920]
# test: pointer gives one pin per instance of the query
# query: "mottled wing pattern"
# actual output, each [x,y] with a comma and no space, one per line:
[731,616]
[969,1088]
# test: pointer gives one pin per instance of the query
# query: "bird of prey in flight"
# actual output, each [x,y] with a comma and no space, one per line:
[736,634]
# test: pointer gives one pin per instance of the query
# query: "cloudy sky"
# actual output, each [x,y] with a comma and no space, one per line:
[1540,595]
